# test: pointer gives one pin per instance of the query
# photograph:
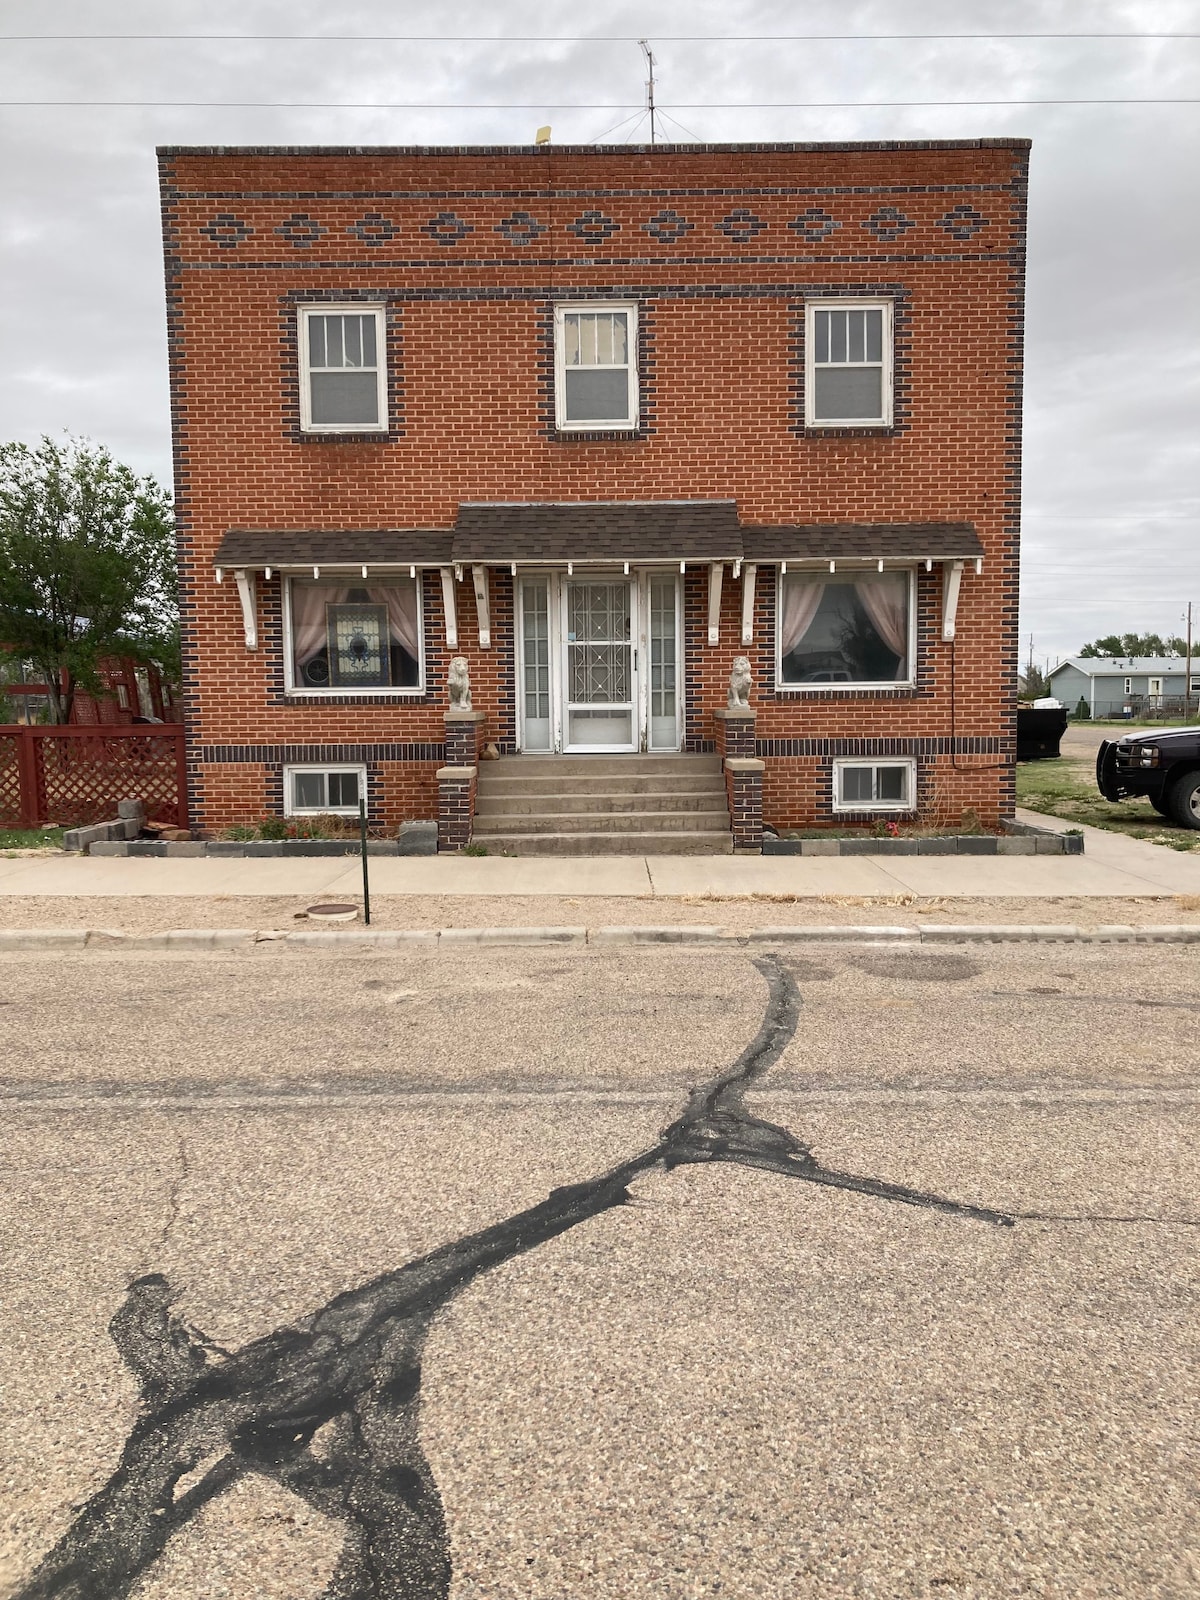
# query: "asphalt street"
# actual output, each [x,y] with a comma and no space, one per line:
[617,1364]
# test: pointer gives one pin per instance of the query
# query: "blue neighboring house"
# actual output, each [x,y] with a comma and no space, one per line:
[1120,686]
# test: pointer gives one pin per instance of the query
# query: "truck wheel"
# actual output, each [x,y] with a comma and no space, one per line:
[1185,800]
[1162,805]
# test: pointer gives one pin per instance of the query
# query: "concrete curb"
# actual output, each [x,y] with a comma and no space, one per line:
[432,939]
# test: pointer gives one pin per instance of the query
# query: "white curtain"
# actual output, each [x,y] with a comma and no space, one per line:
[401,602]
[309,633]
[801,602]
[309,599]
[885,599]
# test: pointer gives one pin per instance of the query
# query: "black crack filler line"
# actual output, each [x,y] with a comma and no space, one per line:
[329,1406]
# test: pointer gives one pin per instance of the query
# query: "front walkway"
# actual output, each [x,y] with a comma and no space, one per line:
[1112,867]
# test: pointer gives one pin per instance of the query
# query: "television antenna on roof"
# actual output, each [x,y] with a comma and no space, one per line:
[649,54]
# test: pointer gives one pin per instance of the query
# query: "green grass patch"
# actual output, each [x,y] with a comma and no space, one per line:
[1062,789]
[30,838]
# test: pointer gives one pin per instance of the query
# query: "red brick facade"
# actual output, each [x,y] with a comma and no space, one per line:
[721,248]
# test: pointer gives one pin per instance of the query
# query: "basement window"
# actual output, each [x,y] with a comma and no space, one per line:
[323,791]
[874,786]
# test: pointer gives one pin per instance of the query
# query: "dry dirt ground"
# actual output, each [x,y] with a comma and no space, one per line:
[153,914]
[739,1384]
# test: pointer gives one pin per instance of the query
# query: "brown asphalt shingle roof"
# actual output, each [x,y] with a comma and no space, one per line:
[921,541]
[242,547]
[630,530]
[626,530]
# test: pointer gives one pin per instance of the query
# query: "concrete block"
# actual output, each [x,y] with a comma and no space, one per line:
[132,811]
[945,846]
[146,847]
[1072,844]
[417,839]
[259,848]
[42,938]
[513,936]
[382,847]
[180,848]
[318,847]
[125,828]
[1016,846]
[832,933]
[224,847]
[877,847]
[1049,845]
[977,844]
[109,847]
[820,847]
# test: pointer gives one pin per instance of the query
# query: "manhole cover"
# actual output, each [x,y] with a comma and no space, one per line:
[332,913]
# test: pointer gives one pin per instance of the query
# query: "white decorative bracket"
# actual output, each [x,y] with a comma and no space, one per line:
[245,588]
[716,570]
[952,572]
[748,572]
[449,609]
[479,578]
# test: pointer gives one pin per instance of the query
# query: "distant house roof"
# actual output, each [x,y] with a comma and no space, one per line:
[1125,666]
[600,531]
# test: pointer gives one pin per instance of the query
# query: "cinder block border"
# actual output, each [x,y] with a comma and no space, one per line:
[1019,839]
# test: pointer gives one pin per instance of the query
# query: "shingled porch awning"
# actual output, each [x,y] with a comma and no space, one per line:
[624,533]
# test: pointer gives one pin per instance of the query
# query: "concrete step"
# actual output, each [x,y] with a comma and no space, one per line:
[609,844]
[497,782]
[608,822]
[589,766]
[540,803]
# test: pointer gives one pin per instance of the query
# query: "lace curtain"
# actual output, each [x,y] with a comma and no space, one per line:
[309,599]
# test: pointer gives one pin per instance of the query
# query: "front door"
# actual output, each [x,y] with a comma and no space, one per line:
[600,665]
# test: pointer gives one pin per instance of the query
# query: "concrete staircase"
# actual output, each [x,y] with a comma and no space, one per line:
[603,806]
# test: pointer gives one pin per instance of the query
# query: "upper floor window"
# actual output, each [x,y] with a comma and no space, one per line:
[595,366]
[848,382]
[343,380]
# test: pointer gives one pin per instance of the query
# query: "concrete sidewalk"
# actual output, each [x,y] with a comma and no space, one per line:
[1113,867]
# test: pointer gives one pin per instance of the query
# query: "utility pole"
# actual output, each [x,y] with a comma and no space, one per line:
[1187,668]
[648,53]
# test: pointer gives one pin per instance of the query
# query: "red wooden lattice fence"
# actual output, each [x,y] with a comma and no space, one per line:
[72,776]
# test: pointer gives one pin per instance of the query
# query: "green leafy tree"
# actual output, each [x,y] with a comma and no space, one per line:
[87,565]
[1134,644]
[1032,685]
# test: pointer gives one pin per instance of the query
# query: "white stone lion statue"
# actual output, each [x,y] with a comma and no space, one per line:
[460,684]
[739,684]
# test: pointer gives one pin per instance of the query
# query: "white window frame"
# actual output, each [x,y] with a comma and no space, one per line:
[361,309]
[811,307]
[1128,685]
[391,691]
[292,810]
[1154,687]
[605,425]
[859,806]
[846,688]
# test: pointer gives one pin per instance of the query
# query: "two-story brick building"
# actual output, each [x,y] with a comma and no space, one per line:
[600,421]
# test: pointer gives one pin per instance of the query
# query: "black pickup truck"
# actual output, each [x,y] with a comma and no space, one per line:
[1165,767]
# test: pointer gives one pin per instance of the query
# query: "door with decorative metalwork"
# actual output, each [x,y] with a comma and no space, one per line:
[600,665]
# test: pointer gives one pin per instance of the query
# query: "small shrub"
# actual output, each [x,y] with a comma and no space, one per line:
[272,828]
[474,850]
[240,832]
[1082,712]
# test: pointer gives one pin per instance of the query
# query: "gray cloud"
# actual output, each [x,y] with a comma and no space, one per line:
[1112,485]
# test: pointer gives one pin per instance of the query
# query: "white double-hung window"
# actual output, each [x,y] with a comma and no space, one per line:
[848,378]
[595,366]
[343,375]
[874,785]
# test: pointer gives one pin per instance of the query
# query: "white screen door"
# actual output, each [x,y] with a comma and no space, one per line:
[599,665]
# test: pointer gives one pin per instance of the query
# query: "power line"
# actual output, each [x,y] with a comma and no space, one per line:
[573,105]
[553,38]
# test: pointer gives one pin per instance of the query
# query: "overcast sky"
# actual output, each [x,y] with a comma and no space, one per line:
[1112,421]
